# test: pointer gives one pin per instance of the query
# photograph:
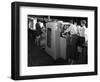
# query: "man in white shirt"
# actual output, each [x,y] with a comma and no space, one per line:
[83,23]
[83,38]
[72,48]
[83,32]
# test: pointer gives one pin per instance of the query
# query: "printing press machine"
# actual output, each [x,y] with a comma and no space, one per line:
[55,44]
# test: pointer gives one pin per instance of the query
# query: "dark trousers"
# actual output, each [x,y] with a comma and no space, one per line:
[73,47]
[73,42]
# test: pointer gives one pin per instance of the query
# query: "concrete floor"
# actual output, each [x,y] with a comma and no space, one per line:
[38,57]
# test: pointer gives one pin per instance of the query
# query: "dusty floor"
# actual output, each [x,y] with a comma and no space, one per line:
[38,57]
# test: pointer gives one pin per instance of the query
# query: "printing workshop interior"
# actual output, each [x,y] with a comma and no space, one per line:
[57,40]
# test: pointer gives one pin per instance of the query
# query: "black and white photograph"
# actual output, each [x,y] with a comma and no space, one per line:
[53,40]
[57,40]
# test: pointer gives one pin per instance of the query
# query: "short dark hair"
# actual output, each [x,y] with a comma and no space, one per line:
[38,20]
[83,22]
